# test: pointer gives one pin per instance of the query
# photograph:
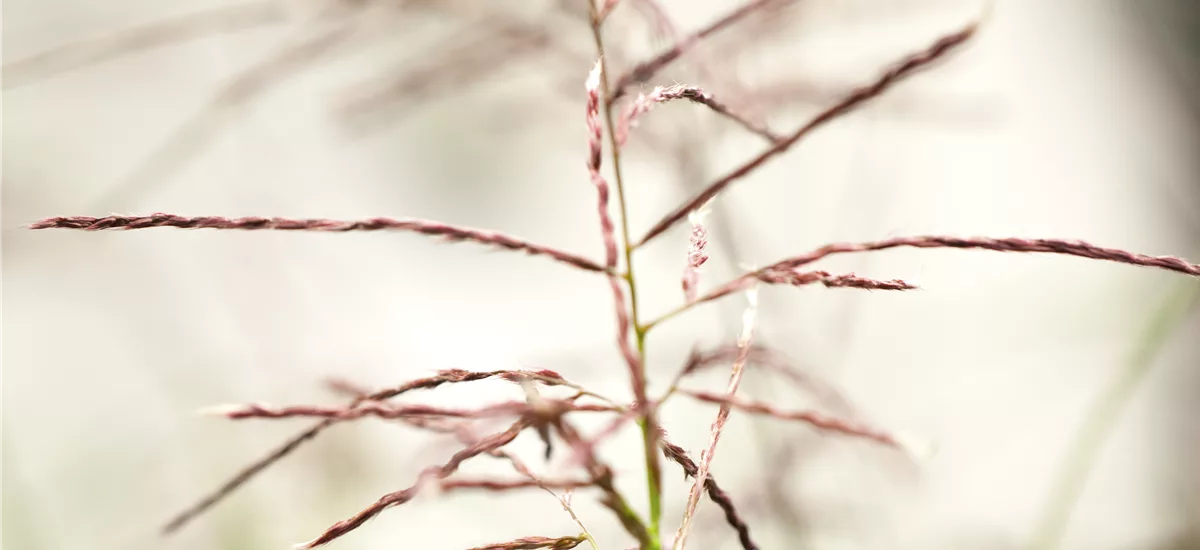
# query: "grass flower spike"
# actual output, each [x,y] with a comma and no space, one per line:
[547,404]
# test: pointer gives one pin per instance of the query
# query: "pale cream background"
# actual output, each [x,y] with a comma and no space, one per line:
[1058,122]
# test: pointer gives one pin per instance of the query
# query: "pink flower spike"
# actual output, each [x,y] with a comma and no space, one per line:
[697,256]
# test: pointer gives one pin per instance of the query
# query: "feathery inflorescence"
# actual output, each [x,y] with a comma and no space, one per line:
[550,417]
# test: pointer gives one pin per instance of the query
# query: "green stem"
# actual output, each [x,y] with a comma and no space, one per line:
[655,322]
[646,422]
[1102,418]
[650,444]
[686,306]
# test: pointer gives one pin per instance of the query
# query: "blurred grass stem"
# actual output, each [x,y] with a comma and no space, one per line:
[1100,421]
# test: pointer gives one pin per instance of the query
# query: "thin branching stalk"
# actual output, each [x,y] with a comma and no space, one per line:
[718,426]
[646,70]
[254,223]
[534,543]
[764,357]
[253,469]
[785,277]
[854,99]
[771,360]
[678,455]
[508,485]
[430,475]
[565,501]
[1042,246]
[602,477]
[467,437]
[645,102]
[812,418]
[595,157]
[647,421]
[381,410]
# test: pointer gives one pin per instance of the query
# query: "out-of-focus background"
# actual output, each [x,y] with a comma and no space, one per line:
[1062,119]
